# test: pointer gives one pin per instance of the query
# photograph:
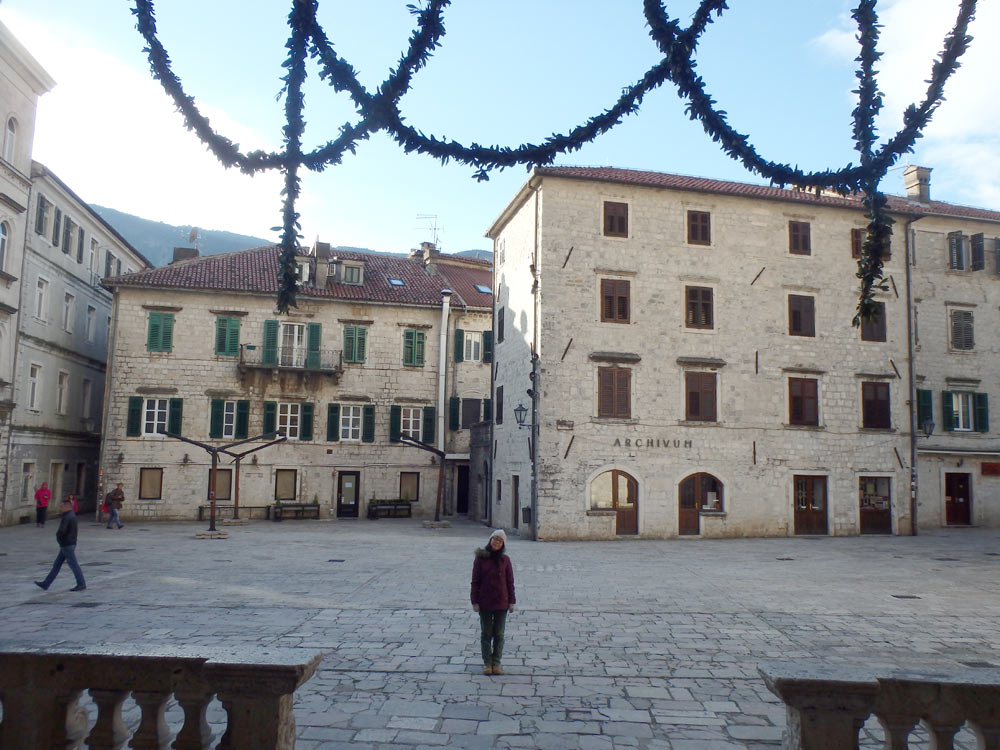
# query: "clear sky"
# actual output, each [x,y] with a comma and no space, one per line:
[507,72]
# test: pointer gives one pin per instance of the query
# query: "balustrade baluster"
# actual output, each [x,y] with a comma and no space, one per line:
[110,732]
[153,732]
[942,735]
[897,730]
[195,734]
[74,728]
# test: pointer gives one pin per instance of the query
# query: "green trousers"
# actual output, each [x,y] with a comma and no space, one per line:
[492,623]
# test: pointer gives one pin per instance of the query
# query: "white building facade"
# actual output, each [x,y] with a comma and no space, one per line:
[682,353]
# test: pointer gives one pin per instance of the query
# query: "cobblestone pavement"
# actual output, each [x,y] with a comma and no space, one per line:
[626,644]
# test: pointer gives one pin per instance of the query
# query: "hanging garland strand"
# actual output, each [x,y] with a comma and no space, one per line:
[380,111]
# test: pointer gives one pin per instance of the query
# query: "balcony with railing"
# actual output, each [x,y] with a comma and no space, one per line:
[293,359]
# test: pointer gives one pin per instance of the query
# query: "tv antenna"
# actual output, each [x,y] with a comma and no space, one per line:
[432,220]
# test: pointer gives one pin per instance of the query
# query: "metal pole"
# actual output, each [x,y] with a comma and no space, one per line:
[236,490]
[440,497]
[211,490]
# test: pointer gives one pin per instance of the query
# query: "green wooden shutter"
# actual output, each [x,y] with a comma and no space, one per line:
[429,417]
[361,337]
[487,346]
[56,226]
[947,411]
[314,332]
[270,416]
[270,354]
[487,409]
[242,419]
[350,343]
[368,424]
[418,348]
[216,410]
[79,246]
[982,406]
[333,422]
[306,422]
[154,331]
[221,335]
[454,413]
[233,339]
[175,413]
[925,407]
[40,215]
[133,426]
[167,333]
[459,344]
[395,418]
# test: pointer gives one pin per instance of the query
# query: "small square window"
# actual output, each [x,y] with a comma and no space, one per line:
[699,227]
[615,301]
[615,219]
[798,238]
[352,274]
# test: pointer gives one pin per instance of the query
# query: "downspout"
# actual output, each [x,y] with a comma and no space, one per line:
[109,374]
[442,364]
[910,373]
[535,374]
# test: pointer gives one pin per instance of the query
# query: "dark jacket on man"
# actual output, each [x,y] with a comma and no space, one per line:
[66,535]
[492,581]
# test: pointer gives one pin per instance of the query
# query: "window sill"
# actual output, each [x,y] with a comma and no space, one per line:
[598,512]
[7,276]
[713,513]
[614,420]
[700,423]
[814,427]
[877,429]
[961,351]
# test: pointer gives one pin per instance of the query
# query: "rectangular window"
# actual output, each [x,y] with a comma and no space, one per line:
[223,484]
[499,404]
[350,423]
[109,263]
[615,219]
[857,241]
[352,275]
[91,322]
[956,251]
[56,227]
[473,345]
[801,315]
[977,252]
[42,216]
[355,343]
[86,395]
[150,484]
[615,301]
[229,419]
[410,421]
[292,345]
[69,304]
[875,406]
[961,406]
[699,226]
[873,329]
[62,392]
[700,402]
[803,401]
[413,348]
[160,333]
[27,481]
[92,258]
[500,325]
[227,336]
[698,302]
[69,234]
[154,419]
[288,420]
[34,386]
[614,398]
[409,486]
[41,299]
[470,412]
[961,330]
[798,238]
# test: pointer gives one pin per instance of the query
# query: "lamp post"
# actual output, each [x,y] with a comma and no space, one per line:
[928,427]
[520,414]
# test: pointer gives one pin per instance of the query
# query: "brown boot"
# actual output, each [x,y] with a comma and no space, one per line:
[487,669]
[497,669]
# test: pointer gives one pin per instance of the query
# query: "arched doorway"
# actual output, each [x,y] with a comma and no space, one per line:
[616,490]
[697,492]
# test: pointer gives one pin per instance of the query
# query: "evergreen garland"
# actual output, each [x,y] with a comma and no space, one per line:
[379,111]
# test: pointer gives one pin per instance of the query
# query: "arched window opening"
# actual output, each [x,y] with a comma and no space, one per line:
[616,490]
[4,237]
[8,140]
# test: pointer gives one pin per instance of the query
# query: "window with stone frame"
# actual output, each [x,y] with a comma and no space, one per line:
[965,411]
[350,422]
[411,421]
[471,409]
[472,342]
[801,315]
[409,486]
[289,416]
[615,301]
[799,240]
[803,401]
[699,307]
[874,328]
[154,416]
[614,392]
[962,338]
[700,398]
[875,406]
[615,219]
[699,228]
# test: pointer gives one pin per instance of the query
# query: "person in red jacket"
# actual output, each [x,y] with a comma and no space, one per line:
[493,597]
[42,496]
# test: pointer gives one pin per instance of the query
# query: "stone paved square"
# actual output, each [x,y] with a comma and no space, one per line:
[638,643]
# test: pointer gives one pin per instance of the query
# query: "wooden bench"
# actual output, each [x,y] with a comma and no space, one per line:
[389,509]
[231,511]
[296,510]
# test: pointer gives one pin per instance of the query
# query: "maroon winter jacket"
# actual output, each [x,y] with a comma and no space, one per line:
[492,581]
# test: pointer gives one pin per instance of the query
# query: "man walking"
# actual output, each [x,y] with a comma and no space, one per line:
[114,500]
[66,537]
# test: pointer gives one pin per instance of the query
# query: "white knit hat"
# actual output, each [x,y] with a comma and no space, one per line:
[500,533]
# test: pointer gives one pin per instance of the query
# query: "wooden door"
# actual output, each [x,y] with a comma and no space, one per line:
[697,493]
[957,499]
[875,505]
[462,491]
[625,497]
[810,505]
[348,492]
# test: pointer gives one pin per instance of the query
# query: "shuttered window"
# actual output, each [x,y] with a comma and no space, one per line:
[801,315]
[614,397]
[355,343]
[961,330]
[873,328]
[699,311]
[956,251]
[799,242]
[227,336]
[963,411]
[499,406]
[699,228]
[413,348]
[857,242]
[615,219]
[160,334]
[803,401]
[875,406]
[925,407]
[700,391]
[615,301]
[977,251]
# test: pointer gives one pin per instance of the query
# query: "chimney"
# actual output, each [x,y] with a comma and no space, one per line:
[184,253]
[428,253]
[322,252]
[917,181]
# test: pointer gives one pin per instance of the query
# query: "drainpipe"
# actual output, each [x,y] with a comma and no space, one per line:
[910,373]
[442,371]
[535,374]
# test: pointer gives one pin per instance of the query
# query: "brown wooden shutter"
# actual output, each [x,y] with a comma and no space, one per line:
[605,392]
[798,238]
[857,242]
[699,228]
[801,315]
[607,300]
[615,219]
[623,392]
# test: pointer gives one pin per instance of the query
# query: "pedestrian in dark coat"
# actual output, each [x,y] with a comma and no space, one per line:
[493,597]
[66,537]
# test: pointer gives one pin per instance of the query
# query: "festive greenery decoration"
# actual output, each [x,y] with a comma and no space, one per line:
[379,111]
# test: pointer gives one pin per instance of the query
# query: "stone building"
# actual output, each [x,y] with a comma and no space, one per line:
[199,350]
[682,354]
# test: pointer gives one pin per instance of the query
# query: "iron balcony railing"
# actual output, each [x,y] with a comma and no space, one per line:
[291,358]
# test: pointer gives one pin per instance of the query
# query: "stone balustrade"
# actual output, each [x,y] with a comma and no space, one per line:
[827,705]
[40,690]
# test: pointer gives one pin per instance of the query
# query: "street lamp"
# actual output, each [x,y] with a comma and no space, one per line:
[928,427]
[520,414]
